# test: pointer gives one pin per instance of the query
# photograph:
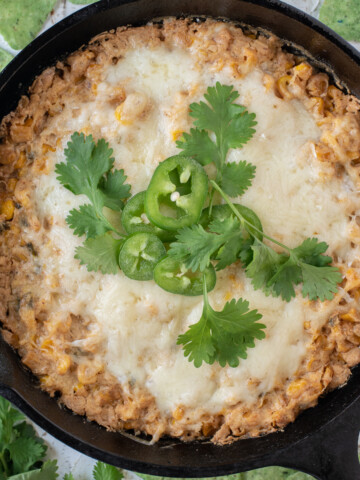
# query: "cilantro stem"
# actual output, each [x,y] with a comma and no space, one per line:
[4,465]
[243,219]
[109,226]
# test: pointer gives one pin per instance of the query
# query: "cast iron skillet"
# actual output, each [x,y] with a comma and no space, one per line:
[323,440]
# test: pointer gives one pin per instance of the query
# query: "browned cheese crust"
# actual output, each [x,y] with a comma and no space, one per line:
[45,345]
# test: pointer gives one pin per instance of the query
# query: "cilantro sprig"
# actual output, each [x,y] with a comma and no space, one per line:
[87,171]
[276,273]
[197,246]
[222,336]
[22,451]
[232,126]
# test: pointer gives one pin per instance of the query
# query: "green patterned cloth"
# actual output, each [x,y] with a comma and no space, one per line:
[83,2]
[269,473]
[343,16]
[21,20]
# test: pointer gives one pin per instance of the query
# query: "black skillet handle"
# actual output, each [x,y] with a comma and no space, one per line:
[330,453]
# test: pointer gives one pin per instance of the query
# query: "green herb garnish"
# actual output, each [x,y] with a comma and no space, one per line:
[100,253]
[87,171]
[276,273]
[20,448]
[232,126]
[22,451]
[222,336]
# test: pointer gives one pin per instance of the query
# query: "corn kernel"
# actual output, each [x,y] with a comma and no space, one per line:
[47,345]
[175,134]
[207,429]
[12,184]
[227,296]
[268,82]
[295,387]
[78,386]
[178,413]
[318,105]
[118,115]
[40,166]
[350,316]
[118,111]
[7,209]
[44,379]
[21,160]
[47,148]
[63,364]
[282,85]
[302,67]
[307,325]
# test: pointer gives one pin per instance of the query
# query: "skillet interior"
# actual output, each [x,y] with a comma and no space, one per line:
[170,457]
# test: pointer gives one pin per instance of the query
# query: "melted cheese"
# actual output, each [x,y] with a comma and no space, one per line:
[138,321]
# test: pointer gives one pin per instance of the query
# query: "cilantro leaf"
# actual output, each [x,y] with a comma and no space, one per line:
[87,172]
[277,274]
[100,253]
[246,253]
[319,279]
[103,471]
[222,336]
[197,342]
[86,163]
[288,274]
[263,266]
[236,177]
[319,282]
[69,476]
[311,250]
[113,188]
[240,129]
[199,257]
[198,145]
[229,252]
[195,246]
[47,472]
[24,453]
[219,111]
[237,329]
[231,123]
[85,221]
[20,448]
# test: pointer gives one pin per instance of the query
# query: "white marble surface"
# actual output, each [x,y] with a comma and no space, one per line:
[70,460]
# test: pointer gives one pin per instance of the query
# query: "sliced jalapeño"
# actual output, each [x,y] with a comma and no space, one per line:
[134,219]
[173,276]
[176,193]
[139,255]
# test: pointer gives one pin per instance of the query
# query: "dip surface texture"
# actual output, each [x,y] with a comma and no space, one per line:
[108,343]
